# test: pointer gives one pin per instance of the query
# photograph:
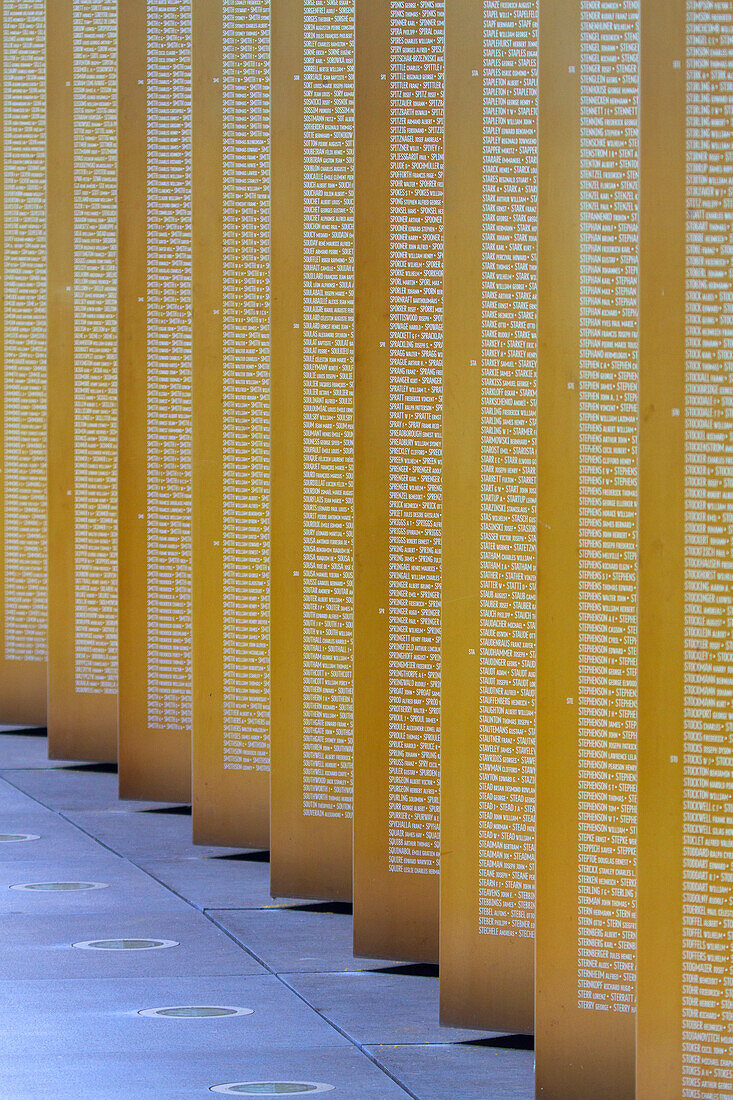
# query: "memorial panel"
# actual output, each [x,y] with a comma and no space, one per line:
[312,448]
[398,400]
[231,477]
[82,379]
[489,516]
[23,372]
[588,393]
[685,1035]
[155,303]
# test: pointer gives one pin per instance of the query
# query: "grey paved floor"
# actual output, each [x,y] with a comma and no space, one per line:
[71,1022]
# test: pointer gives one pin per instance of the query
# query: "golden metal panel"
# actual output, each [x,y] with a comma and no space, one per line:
[685,1036]
[398,379]
[231,422]
[587,549]
[489,516]
[23,376]
[312,448]
[155,300]
[82,378]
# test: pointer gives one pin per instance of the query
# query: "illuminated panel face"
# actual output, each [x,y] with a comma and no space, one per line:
[95,344]
[707,1047]
[607,694]
[24,460]
[169,365]
[328,422]
[508,469]
[246,366]
[415,384]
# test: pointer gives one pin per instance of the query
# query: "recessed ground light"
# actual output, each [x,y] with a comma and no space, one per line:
[124,945]
[271,1088]
[50,887]
[12,838]
[195,1011]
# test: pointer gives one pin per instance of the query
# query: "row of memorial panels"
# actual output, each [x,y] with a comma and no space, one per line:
[495,603]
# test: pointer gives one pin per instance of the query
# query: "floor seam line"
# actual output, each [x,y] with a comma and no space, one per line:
[206,915]
[354,1042]
[313,1009]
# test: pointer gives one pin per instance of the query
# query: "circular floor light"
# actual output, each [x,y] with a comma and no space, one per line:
[59,887]
[272,1088]
[124,945]
[13,838]
[195,1012]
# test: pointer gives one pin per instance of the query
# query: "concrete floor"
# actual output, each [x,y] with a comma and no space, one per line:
[71,1022]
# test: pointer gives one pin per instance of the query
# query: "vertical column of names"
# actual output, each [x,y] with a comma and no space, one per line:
[169,306]
[24,352]
[95,344]
[707,1039]
[508,470]
[246,383]
[607,693]
[328,410]
[415,383]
